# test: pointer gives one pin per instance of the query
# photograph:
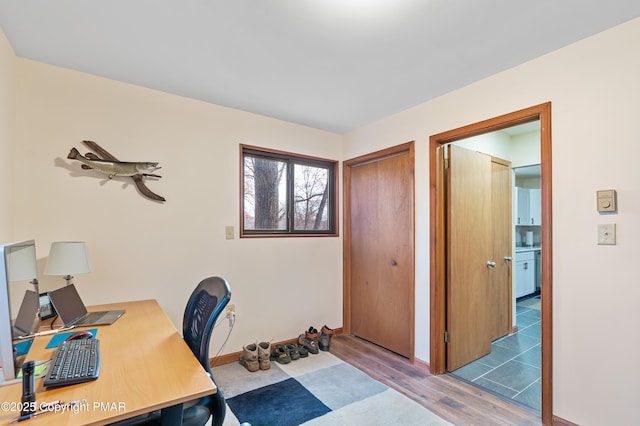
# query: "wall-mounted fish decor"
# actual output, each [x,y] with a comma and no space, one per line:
[104,162]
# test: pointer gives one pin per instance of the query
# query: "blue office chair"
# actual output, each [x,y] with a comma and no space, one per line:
[204,307]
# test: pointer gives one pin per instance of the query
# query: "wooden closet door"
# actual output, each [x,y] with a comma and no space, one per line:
[381,251]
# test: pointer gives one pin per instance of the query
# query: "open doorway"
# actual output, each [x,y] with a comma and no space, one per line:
[441,307]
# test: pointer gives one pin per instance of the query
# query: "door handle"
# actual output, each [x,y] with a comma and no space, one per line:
[491,264]
[508,258]
[393,262]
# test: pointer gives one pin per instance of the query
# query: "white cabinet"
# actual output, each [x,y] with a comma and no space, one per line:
[525,273]
[535,207]
[529,207]
[523,207]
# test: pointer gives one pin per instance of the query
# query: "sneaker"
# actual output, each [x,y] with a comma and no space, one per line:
[249,357]
[325,338]
[264,354]
[309,340]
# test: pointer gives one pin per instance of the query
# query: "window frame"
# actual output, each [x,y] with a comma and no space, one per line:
[292,159]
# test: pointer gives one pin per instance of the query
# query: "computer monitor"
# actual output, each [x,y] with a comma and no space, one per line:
[17,263]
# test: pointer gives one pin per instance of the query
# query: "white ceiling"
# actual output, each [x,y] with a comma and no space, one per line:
[330,64]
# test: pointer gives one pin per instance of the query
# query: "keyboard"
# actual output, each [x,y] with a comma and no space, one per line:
[75,361]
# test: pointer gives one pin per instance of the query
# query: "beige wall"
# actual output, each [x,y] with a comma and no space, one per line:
[141,249]
[7,60]
[595,93]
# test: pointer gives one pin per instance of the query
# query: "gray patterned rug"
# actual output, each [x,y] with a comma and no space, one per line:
[318,390]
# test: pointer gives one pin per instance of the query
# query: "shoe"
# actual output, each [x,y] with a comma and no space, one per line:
[325,338]
[304,352]
[249,357]
[309,340]
[293,351]
[280,355]
[264,354]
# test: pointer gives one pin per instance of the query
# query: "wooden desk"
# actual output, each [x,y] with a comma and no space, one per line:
[146,365]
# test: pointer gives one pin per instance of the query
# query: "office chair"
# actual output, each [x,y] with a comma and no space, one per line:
[205,305]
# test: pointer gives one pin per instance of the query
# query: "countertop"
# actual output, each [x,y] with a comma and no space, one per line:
[527,248]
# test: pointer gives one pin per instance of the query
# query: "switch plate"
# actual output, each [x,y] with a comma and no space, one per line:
[607,234]
[607,200]
[228,232]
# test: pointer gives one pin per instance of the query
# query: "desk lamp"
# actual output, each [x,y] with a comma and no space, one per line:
[66,258]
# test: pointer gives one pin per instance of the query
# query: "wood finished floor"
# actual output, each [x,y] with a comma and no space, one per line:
[449,398]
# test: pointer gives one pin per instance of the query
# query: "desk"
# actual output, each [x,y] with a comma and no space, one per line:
[146,365]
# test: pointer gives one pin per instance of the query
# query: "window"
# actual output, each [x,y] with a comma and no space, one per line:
[287,194]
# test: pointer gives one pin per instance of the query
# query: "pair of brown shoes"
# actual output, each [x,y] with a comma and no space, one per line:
[255,356]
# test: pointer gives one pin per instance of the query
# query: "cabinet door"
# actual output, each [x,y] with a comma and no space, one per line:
[535,209]
[525,274]
[523,207]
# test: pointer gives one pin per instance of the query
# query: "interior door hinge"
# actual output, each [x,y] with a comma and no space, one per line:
[446,163]
[446,337]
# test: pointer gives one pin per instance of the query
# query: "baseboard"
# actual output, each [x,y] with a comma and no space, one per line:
[422,365]
[234,356]
[557,421]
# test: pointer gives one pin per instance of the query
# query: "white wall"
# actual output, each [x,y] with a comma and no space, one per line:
[595,93]
[7,119]
[142,249]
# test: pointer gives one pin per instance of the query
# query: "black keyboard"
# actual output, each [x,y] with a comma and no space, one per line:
[75,361]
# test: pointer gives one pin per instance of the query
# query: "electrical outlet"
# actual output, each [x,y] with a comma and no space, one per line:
[231,308]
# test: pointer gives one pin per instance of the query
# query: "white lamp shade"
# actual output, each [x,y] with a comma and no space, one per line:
[67,257]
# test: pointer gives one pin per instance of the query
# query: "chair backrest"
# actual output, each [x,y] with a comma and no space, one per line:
[205,305]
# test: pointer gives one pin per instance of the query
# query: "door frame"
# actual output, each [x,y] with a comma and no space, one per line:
[438,261]
[406,148]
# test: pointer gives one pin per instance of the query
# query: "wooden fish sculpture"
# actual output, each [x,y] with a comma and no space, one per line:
[104,162]
[114,168]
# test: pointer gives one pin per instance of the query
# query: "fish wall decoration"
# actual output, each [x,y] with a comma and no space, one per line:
[103,162]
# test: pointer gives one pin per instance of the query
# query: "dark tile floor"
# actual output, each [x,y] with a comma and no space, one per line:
[513,368]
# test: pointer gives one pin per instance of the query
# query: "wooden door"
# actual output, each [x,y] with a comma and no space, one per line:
[381,261]
[469,249]
[500,277]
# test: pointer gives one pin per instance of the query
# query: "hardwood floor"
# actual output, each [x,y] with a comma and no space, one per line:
[449,398]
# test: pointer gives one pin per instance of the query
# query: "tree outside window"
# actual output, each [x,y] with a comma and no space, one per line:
[287,194]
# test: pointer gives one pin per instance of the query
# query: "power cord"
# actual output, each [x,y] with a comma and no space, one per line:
[231,315]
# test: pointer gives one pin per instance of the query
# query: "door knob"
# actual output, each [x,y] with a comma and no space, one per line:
[491,264]
[508,258]
[393,262]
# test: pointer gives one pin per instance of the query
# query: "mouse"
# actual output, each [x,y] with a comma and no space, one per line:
[82,334]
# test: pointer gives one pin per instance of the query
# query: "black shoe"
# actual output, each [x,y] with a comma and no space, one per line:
[324,340]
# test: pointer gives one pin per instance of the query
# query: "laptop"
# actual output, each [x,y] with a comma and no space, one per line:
[72,311]
[27,315]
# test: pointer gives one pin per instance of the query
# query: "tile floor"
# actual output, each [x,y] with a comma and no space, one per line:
[513,368]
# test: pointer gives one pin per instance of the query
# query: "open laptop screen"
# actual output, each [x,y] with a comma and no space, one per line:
[67,303]
[28,312]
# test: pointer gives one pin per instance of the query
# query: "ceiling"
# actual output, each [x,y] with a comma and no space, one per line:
[334,65]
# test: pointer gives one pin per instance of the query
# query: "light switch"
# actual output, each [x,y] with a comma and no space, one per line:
[607,200]
[228,232]
[607,234]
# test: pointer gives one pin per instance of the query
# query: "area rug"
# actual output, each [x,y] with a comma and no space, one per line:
[318,390]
